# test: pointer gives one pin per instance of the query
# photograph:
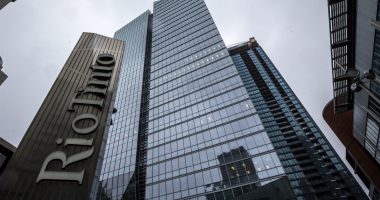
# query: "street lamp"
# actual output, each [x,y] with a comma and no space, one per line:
[357,84]
[357,81]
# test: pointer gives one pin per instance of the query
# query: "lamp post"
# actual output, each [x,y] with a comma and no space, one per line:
[358,84]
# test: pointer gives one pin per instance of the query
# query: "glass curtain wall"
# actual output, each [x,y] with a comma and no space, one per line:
[205,139]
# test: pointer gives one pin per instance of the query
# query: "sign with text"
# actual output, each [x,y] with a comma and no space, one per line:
[59,154]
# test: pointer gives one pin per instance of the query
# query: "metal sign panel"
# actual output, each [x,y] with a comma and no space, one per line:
[58,156]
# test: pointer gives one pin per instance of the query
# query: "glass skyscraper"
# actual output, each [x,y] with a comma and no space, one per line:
[121,149]
[190,124]
[199,112]
[314,169]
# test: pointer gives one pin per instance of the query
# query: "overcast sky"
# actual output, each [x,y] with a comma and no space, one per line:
[37,36]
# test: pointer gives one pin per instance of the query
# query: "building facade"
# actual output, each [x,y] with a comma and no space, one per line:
[193,128]
[121,149]
[190,113]
[314,169]
[3,76]
[355,39]
[199,112]
[58,157]
[6,152]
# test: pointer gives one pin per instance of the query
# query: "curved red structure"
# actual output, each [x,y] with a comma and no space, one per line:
[361,161]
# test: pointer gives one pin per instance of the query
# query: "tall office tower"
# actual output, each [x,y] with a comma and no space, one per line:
[3,3]
[3,76]
[186,125]
[314,169]
[198,111]
[354,113]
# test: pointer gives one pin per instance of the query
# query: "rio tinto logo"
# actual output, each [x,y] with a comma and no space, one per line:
[97,84]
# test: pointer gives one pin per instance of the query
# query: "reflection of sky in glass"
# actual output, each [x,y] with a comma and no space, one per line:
[120,156]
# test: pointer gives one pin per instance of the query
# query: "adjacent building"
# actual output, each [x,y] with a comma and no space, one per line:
[196,120]
[314,169]
[3,76]
[3,3]
[354,113]
[6,152]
